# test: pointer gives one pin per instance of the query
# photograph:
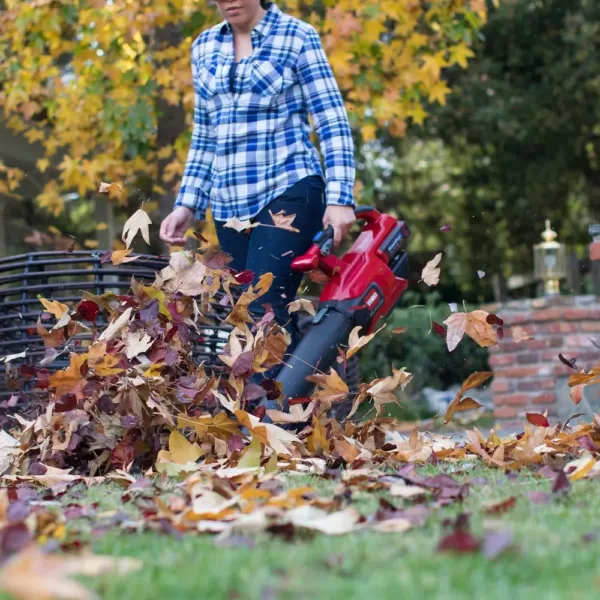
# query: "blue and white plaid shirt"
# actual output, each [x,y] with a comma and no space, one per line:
[249,146]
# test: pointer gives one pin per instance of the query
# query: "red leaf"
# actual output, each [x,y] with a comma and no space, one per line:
[501,507]
[459,541]
[88,310]
[537,419]
[66,403]
[105,257]
[439,329]
[122,454]
[244,277]
[493,319]
[561,483]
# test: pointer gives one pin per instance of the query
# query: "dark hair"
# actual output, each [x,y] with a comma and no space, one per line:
[265,3]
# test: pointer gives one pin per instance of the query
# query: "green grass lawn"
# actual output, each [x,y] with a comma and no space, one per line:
[552,559]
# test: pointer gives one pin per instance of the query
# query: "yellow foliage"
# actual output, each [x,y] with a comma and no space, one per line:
[385,55]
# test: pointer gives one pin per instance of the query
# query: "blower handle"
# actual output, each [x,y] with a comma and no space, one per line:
[323,242]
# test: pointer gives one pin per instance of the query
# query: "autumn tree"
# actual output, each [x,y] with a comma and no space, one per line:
[105,86]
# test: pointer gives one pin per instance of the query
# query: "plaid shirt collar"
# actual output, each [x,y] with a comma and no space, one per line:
[264,26]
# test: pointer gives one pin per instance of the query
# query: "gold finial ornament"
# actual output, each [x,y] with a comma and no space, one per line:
[549,235]
[550,261]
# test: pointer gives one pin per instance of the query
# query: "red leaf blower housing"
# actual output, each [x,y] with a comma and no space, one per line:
[364,286]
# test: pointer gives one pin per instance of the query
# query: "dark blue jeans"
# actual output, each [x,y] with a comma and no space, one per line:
[272,249]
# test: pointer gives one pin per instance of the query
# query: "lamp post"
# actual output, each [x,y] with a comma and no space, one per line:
[550,260]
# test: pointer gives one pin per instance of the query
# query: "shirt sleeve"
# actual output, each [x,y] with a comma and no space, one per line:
[196,182]
[326,106]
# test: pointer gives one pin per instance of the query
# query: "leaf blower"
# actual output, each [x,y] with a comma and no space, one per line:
[364,286]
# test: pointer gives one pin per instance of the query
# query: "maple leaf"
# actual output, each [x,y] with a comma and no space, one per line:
[106,366]
[58,309]
[382,391]
[431,272]
[67,380]
[283,221]
[461,404]
[332,388]
[181,451]
[116,326]
[184,274]
[356,342]
[110,188]
[302,304]
[138,222]
[34,574]
[474,324]
[238,225]
[519,334]
[137,343]
[119,257]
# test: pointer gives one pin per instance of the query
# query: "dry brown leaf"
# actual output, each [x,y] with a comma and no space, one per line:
[336,523]
[355,342]
[116,326]
[110,188]
[474,324]
[459,403]
[479,330]
[331,387]
[33,575]
[456,323]
[185,275]
[383,390]
[283,221]
[58,309]
[235,223]
[302,304]
[138,342]
[519,334]
[119,257]
[431,272]
[67,380]
[139,221]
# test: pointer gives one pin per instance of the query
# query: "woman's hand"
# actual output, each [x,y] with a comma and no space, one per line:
[341,219]
[173,228]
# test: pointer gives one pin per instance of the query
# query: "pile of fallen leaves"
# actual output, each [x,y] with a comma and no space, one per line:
[189,446]
[135,388]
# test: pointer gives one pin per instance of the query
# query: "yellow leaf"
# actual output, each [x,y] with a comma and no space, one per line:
[106,366]
[58,309]
[118,257]
[154,370]
[181,450]
[251,455]
[42,164]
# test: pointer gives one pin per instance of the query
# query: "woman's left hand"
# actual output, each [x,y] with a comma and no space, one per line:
[341,219]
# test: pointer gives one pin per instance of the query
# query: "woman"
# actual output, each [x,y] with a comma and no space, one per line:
[257,76]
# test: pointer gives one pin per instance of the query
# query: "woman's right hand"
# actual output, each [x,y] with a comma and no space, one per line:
[173,228]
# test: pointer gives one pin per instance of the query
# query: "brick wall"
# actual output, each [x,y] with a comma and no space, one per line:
[529,377]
